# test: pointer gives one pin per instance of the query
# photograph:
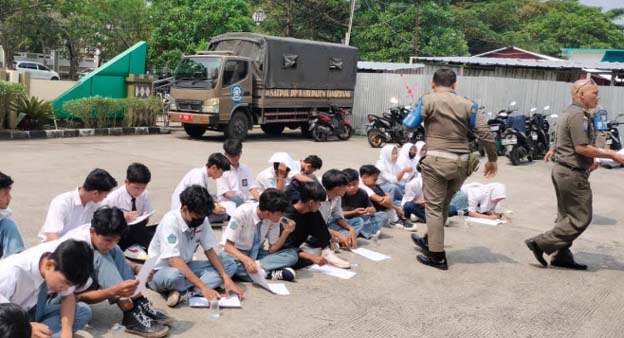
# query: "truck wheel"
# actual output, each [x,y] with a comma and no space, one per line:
[376,138]
[194,130]
[273,129]
[238,126]
[305,130]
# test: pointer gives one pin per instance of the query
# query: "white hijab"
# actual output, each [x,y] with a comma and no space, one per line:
[385,163]
[404,160]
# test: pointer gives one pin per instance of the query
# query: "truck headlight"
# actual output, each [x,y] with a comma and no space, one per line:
[211,109]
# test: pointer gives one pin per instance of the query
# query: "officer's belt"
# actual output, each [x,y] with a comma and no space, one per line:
[446,154]
[563,164]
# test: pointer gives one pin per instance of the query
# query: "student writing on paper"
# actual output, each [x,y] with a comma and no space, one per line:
[134,200]
[250,227]
[237,184]
[177,237]
[215,167]
[483,199]
[113,278]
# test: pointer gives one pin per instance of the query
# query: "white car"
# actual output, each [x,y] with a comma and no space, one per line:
[37,70]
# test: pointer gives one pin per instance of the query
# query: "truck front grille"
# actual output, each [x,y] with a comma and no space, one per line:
[189,105]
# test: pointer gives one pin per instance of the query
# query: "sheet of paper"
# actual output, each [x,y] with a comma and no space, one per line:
[492,222]
[332,271]
[370,254]
[144,273]
[259,278]
[230,302]
[142,218]
[229,206]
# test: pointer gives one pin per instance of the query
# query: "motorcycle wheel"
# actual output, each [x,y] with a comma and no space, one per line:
[514,157]
[318,135]
[347,131]
[376,138]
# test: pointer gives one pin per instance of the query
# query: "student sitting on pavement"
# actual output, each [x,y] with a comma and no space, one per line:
[14,322]
[483,199]
[237,184]
[75,208]
[10,239]
[382,200]
[113,278]
[177,237]
[42,280]
[280,174]
[309,222]
[250,227]
[357,204]
[134,200]
[392,178]
[335,183]
[215,167]
[306,168]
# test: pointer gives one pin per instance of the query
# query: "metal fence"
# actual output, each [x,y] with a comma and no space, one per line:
[374,91]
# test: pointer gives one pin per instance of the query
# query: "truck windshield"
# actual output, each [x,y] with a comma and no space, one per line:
[197,72]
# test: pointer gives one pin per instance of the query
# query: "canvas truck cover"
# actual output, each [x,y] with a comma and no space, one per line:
[293,63]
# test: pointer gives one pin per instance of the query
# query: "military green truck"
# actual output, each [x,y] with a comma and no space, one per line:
[247,79]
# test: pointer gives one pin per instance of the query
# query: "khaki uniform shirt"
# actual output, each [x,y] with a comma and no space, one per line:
[575,128]
[447,122]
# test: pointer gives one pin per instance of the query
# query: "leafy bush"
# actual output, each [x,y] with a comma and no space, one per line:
[8,92]
[95,111]
[34,112]
[104,112]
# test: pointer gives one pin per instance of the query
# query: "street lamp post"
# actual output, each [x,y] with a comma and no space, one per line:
[259,16]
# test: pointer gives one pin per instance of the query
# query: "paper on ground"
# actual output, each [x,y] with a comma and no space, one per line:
[258,278]
[144,273]
[492,222]
[370,254]
[332,271]
[142,218]
[229,302]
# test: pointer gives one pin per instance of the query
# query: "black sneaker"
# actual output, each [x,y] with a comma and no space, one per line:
[141,325]
[286,274]
[148,309]
[409,226]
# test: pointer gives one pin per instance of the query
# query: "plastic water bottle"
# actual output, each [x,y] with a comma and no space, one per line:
[213,311]
[460,218]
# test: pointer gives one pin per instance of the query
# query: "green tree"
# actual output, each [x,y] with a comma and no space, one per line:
[185,26]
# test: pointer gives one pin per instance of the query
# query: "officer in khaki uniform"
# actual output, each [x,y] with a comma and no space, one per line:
[573,155]
[448,120]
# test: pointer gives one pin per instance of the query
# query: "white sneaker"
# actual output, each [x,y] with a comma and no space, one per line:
[335,260]
[334,246]
[414,218]
[310,250]
[136,252]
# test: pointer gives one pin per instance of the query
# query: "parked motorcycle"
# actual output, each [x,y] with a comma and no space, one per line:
[517,145]
[613,134]
[538,129]
[389,128]
[322,125]
[498,126]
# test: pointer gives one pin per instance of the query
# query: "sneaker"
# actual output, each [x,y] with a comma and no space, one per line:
[396,225]
[148,309]
[136,252]
[376,235]
[286,274]
[334,246]
[176,297]
[409,226]
[136,322]
[335,260]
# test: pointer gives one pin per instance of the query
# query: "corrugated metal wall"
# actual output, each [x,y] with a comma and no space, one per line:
[373,93]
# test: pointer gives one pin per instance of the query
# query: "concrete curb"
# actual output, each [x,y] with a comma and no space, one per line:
[46,134]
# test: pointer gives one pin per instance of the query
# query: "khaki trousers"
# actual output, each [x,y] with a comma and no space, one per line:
[574,207]
[442,178]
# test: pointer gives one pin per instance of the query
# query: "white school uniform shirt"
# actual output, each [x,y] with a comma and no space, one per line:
[66,212]
[174,238]
[81,233]
[481,196]
[268,179]
[368,190]
[239,181]
[198,176]
[20,278]
[331,210]
[242,228]
[121,199]
[413,190]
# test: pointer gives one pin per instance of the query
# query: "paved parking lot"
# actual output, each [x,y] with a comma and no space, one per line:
[493,288]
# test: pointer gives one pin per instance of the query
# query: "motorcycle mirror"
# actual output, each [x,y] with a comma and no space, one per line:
[554,116]
[394,100]
[547,108]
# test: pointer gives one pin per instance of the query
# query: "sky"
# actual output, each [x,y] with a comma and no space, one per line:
[605,4]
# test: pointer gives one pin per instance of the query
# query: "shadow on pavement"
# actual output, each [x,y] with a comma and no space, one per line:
[478,255]
[597,261]
[603,220]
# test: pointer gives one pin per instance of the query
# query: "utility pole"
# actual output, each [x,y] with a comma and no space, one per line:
[417,27]
[348,37]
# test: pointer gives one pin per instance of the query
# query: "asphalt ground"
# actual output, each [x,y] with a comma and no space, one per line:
[493,288]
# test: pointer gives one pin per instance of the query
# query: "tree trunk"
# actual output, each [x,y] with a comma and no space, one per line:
[74,59]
